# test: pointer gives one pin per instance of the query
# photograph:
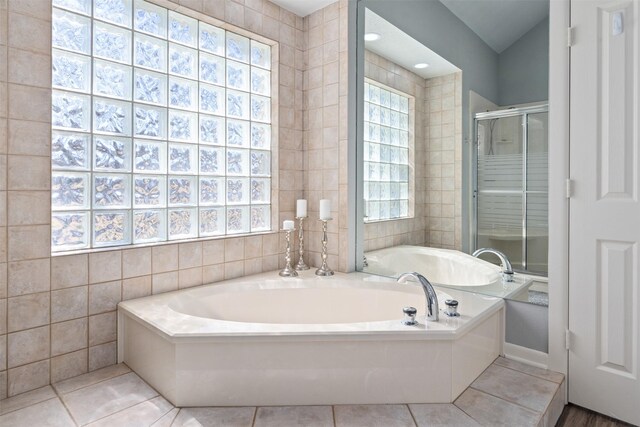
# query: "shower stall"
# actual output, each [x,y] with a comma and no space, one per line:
[511,185]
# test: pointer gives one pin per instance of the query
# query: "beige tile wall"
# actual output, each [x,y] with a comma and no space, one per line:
[57,315]
[325,129]
[410,231]
[4,139]
[443,128]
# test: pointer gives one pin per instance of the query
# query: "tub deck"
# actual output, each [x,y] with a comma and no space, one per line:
[199,361]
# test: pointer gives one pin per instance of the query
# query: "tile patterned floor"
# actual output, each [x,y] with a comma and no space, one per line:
[508,393]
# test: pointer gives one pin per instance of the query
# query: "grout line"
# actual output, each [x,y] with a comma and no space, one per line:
[88,307]
[508,401]
[92,384]
[255,415]
[412,416]
[172,419]
[333,413]
[546,409]
[64,405]
[124,409]
[161,416]
[530,374]
[465,412]
[28,406]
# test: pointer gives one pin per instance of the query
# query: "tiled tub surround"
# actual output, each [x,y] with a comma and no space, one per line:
[507,393]
[326,128]
[266,340]
[57,314]
[443,105]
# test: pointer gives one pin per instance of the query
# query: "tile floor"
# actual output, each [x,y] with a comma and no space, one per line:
[507,393]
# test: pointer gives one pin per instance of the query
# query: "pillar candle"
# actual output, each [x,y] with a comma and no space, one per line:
[301,208]
[287,225]
[325,209]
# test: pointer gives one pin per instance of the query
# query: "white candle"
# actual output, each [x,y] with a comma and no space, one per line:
[301,208]
[325,209]
[287,225]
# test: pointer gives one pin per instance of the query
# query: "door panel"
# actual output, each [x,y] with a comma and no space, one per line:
[604,210]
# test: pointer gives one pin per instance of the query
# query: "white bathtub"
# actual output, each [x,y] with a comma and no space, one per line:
[444,267]
[266,340]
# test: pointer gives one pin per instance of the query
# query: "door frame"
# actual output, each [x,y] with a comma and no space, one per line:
[559,172]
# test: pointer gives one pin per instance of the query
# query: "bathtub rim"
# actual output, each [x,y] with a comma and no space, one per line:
[399,332]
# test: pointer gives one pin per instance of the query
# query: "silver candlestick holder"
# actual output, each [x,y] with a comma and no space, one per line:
[324,269]
[288,271]
[301,266]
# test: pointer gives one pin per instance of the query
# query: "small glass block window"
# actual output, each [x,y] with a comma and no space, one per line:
[386,153]
[115,11]
[110,79]
[161,127]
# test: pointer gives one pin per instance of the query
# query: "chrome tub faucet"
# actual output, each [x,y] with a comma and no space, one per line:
[507,271]
[429,293]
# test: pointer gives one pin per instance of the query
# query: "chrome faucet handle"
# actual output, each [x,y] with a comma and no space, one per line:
[409,316]
[508,276]
[451,308]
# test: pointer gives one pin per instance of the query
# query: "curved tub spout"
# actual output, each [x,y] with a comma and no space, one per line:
[430,294]
[507,271]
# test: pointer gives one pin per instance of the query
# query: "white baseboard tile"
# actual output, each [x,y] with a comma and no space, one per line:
[526,355]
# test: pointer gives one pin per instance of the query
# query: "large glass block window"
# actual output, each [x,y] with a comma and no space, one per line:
[386,152]
[161,127]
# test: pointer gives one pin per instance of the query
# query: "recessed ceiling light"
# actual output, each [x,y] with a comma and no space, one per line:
[421,65]
[371,37]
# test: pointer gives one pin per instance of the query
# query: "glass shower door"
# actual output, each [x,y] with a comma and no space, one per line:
[500,197]
[512,186]
[537,193]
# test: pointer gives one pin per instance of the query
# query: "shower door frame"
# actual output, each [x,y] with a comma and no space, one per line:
[524,112]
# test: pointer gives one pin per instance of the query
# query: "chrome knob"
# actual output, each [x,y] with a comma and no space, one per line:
[507,276]
[409,316]
[451,309]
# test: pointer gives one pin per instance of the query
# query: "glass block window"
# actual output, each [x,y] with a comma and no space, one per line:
[386,152]
[161,127]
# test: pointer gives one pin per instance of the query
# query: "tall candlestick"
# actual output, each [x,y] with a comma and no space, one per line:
[325,209]
[301,208]
[288,271]
[324,269]
[300,266]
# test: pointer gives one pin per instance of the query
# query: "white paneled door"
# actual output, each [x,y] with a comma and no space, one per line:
[604,294]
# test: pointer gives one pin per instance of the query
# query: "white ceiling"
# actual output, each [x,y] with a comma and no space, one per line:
[303,7]
[499,23]
[411,53]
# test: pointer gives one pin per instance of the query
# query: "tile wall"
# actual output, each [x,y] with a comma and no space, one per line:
[57,314]
[410,231]
[4,108]
[325,129]
[443,128]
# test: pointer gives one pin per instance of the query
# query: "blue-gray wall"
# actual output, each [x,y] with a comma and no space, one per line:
[435,26]
[527,325]
[523,68]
